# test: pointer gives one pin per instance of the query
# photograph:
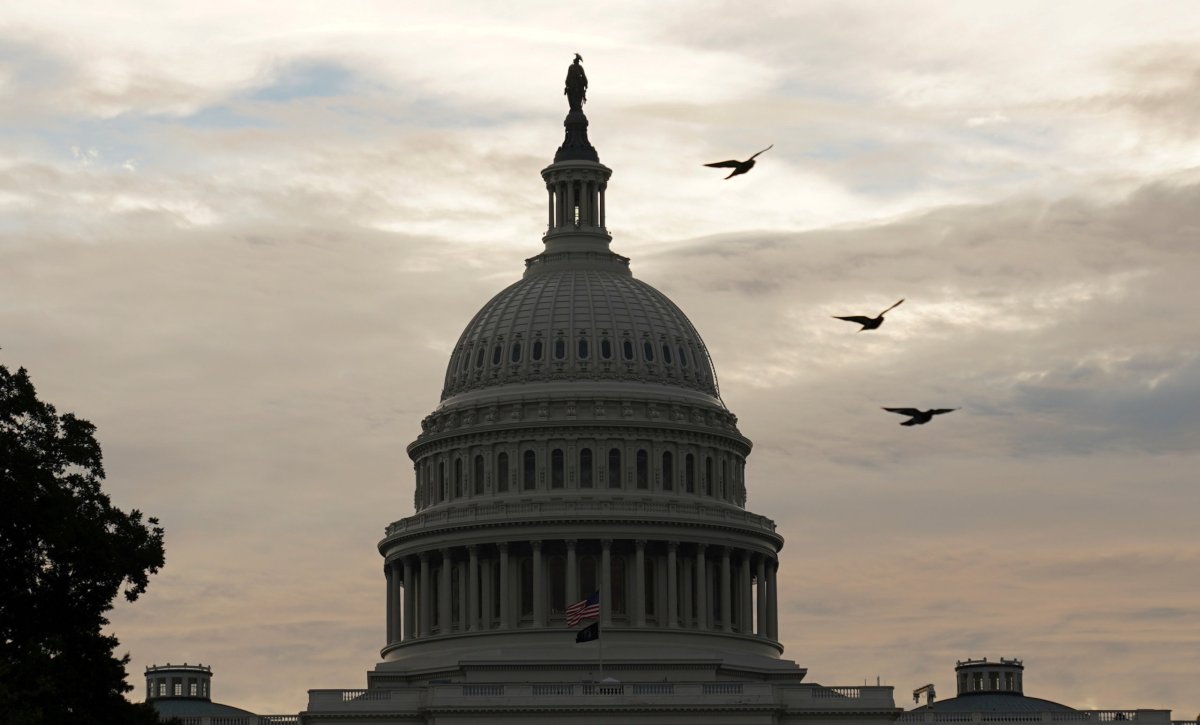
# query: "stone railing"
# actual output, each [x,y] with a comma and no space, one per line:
[533,511]
[1152,717]
[570,694]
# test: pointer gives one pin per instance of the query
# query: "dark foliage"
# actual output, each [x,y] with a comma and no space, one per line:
[65,552]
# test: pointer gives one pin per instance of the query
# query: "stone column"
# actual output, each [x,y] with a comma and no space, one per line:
[572,593]
[761,583]
[488,597]
[702,608]
[726,591]
[444,593]
[472,613]
[391,602]
[672,585]
[745,618]
[772,603]
[550,195]
[686,586]
[539,586]
[426,606]
[639,583]
[605,582]
[504,587]
[603,186]
[410,609]
[460,573]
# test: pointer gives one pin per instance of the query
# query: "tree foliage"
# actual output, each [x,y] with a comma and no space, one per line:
[65,553]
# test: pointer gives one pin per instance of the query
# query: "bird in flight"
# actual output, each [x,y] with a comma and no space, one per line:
[739,167]
[919,417]
[868,323]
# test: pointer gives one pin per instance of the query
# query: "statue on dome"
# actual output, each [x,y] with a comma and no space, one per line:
[576,90]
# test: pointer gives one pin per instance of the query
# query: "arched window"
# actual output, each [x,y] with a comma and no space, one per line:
[617,586]
[643,469]
[530,470]
[689,473]
[724,489]
[668,471]
[648,351]
[536,353]
[558,585]
[479,357]
[627,349]
[605,349]
[441,481]
[478,474]
[708,476]
[614,468]
[526,588]
[585,468]
[557,473]
[560,349]
[458,478]
[666,350]
[583,348]
[496,352]
[682,357]
[515,356]
[502,472]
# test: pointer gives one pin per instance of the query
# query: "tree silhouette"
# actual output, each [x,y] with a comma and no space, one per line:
[65,552]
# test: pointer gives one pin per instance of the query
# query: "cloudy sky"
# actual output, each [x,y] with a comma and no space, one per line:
[242,239]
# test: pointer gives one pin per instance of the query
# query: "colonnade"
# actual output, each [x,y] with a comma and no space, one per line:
[576,203]
[529,584]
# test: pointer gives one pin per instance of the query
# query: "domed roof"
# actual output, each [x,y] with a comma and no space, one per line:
[580,316]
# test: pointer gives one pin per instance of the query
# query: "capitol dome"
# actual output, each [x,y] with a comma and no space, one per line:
[579,317]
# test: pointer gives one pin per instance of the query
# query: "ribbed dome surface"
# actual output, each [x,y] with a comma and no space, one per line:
[580,322]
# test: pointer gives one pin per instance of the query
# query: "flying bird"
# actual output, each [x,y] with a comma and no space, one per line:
[919,417]
[868,323]
[739,167]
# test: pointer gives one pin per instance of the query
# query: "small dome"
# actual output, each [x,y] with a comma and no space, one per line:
[579,317]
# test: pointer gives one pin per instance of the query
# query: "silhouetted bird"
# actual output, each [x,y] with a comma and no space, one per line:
[919,417]
[739,167]
[868,323]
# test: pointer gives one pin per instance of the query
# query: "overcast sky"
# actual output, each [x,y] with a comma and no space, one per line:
[242,239]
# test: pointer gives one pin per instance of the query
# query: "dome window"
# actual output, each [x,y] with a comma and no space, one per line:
[530,470]
[557,474]
[478,474]
[496,354]
[668,471]
[479,358]
[708,476]
[516,352]
[682,357]
[560,349]
[502,472]
[666,350]
[614,468]
[605,349]
[643,469]
[458,477]
[536,352]
[583,348]
[627,349]
[585,468]
[648,351]
[689,473]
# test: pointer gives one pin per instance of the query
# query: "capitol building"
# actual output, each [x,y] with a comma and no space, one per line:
[580,445]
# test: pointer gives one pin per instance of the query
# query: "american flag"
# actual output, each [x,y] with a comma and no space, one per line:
[587,609]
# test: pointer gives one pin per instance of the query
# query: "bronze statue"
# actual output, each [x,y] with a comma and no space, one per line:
[576,90]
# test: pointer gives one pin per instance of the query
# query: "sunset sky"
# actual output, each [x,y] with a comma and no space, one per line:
[243,238]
